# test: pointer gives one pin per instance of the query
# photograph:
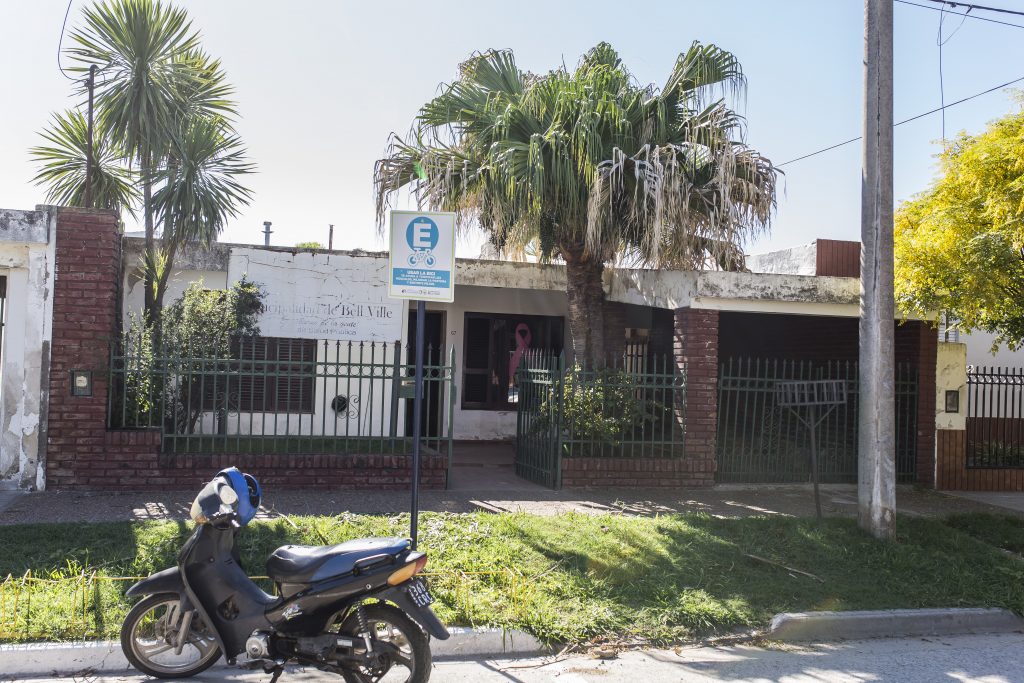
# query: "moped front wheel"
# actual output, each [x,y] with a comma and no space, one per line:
[150,639]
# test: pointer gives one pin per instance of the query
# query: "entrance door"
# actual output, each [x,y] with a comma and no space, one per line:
[433,360]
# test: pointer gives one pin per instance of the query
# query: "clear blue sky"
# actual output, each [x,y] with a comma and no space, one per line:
[321,84]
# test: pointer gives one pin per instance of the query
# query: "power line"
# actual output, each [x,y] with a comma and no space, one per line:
[912,118]
[969,7]
[60,42]
[962,14]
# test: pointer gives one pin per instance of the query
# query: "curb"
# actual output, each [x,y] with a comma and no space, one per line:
[898,623]
[46,659]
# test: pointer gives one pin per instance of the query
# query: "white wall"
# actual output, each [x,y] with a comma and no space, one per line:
[134,289]
[26,260]
[491,424]
[979,351]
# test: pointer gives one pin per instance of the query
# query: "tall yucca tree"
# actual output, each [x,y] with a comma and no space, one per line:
[159,98]
[590,167]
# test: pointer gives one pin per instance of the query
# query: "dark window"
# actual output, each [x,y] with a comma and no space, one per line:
[269,374]
[494,347]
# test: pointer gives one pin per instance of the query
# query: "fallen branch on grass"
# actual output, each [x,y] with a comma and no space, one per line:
[782,566]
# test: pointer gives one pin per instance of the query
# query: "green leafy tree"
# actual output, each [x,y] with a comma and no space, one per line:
[959,246]
[163,136]
[590,167]
[309,245]
[164,370]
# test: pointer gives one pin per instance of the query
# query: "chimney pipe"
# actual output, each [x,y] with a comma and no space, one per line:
[266,233]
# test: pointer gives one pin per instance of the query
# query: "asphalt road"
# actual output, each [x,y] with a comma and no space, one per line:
[963,659]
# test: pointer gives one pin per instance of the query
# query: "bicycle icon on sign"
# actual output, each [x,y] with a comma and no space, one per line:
[424,256]
[422,236]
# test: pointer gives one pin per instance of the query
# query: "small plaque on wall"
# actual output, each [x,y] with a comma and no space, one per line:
[81,383]
[952,401]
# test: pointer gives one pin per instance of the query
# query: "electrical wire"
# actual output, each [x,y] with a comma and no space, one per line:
[969,7]
[60,42]
[900,123]
[961,14]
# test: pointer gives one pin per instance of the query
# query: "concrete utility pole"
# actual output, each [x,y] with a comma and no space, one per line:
[877,434]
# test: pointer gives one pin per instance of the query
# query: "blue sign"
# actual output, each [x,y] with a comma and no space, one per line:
[422,259]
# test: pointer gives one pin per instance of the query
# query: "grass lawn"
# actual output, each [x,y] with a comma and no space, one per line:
[566,578]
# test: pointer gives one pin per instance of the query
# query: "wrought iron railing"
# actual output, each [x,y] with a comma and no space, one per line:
[759,441]
[268,396]
[627,409]
[995,417]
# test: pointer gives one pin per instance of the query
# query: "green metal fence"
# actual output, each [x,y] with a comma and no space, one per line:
[285,396]
[760,441]
[628,409]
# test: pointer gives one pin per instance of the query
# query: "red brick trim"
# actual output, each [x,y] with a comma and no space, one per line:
[637,472]
[696,352]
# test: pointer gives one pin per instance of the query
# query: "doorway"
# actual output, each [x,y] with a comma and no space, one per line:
[433,360]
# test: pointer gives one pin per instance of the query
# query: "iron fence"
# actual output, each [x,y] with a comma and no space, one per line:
[284,396]
[760,441]
[628,409]
[995,417]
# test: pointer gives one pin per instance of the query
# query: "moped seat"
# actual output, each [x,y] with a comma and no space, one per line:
[309,563]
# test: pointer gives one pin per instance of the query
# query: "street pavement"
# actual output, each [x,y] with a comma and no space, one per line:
[964,659]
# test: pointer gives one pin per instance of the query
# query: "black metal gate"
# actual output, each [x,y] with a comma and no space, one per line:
[761,442]
[538,410]
[995,417]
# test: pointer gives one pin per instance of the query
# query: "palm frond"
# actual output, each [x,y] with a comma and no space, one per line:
[62,160]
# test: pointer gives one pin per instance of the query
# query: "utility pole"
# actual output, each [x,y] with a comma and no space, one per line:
[876,488]
[90,84]
[330,238]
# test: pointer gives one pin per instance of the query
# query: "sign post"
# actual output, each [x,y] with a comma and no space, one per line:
[421,267]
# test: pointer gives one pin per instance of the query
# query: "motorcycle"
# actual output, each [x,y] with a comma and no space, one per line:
[356,609]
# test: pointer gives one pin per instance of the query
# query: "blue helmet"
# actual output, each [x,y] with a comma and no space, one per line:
[250,495]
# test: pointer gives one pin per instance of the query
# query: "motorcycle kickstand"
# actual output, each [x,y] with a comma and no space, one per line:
[277,671]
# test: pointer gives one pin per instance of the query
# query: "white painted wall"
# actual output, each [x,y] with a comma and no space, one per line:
[26,260]
[134,289]
[950,375]
[491,424]
[979,351]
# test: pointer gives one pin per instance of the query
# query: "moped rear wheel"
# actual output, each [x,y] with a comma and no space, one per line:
[401,652]
[149,638]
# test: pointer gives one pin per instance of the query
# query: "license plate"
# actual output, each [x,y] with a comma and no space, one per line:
[419,593]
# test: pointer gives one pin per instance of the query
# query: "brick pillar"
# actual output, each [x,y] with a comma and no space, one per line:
[84,323]
[927,348]
[696,349]
[614,331]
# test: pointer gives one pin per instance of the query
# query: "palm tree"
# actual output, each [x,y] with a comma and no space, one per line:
[64,158]
[590,167]
[198,190]
[154,89]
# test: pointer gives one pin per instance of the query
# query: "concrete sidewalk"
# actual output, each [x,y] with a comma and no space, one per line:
[723,501]
[968,659]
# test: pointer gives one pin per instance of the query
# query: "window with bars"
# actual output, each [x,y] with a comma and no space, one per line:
[268,375]
[494,346]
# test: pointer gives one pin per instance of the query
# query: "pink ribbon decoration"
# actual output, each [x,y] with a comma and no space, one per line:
[523,339]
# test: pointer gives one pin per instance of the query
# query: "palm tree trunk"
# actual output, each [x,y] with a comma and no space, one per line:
[149,300]
[585,293]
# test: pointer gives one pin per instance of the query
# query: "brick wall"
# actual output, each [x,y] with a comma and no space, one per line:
[696,347]
[953,474]
[83,454]
[636,472]
[614,330]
